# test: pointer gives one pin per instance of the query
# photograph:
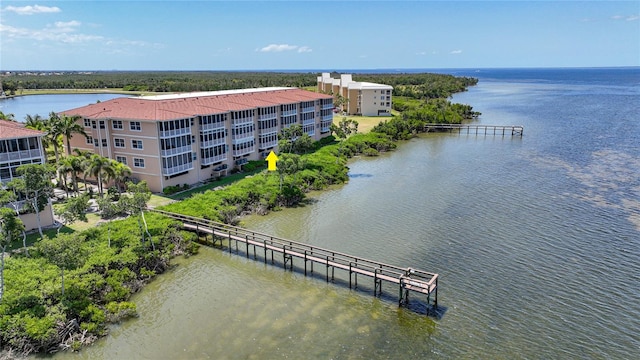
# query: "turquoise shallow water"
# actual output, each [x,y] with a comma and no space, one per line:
[536,239]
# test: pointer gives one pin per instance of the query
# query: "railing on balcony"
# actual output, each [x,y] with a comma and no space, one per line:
[212,143]
[244,121]
[308,121]
[289,112]
[245,151]
[20,155]
[176,151]
[308,109]
[267,117]
[213,126]
[213,159]
[327,118]
[176,132]
[268,144]
[327,106]
[242,138]
[177,169]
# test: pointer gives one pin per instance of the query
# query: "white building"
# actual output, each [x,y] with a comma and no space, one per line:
[362,98]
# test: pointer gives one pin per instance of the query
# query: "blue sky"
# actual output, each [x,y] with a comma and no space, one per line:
[324,35]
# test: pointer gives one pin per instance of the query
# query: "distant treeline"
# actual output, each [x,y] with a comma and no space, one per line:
[420,86]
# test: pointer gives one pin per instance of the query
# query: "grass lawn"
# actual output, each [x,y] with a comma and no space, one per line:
[365,123]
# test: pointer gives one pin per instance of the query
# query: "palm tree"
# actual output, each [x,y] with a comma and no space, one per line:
[7,117]
[100,167]
[63,168]
[68,126]
[84,157]
[120,173]
[53,133]
[35,122]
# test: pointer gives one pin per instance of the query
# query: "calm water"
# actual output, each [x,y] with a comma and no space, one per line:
[43,105]
[536,239]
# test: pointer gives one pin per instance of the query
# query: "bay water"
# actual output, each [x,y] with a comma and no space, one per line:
[536,240]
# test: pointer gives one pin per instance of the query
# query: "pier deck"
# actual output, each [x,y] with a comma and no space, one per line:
[407,279]
[513,130]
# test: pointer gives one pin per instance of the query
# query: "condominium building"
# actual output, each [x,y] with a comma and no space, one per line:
[177,139]
[362,98]
[21,146]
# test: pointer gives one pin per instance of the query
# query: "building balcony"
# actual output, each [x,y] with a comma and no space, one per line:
[289,113]
[214,126]
[177,132]
[327,106]
[176,151]
[212,143]
[240,122]
[309,121]
[243,138]
[269,131]
[177,169]
[213,159]
[268,144]
[20,155]
[267,117]
[327,118]
[245,151]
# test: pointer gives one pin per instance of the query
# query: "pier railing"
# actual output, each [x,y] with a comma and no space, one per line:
[407,279]
[477,129]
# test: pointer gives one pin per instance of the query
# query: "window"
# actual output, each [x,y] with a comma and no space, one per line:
[121,159]
[93,124]
[137,162]
[104,142]
[95,142]
[87,123]
[89,140]
[136,144]
[101,124]
[135,126]
[119,143]
[117,124]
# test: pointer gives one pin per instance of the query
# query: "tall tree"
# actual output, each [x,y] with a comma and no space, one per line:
[135,204]
[100,167]
[35,122]
[120,174]
[85,160]
[344,128]
[65,251]
[72,210]
[35,184]
[10,227]
[7,117]
[68,126]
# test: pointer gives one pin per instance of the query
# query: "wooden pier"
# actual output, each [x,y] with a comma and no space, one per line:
[513,130]
[407,279]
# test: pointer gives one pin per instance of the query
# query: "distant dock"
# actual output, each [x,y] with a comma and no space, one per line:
[267,247]
[472,129]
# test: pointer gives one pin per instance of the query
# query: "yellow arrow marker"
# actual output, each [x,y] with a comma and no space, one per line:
[272,159]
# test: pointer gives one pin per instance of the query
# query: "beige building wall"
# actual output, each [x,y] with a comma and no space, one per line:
[31,221]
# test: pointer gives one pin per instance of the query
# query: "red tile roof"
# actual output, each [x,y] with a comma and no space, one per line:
[15,130]
[166,107]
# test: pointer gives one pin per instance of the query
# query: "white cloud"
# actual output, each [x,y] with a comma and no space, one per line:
[456,52]
[35,9]
[284,47]
[626,18]
[421,53]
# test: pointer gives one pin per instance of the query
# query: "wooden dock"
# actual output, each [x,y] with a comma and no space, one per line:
[407,279]
[471,129]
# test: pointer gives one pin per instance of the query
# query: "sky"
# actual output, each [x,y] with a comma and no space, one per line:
[316,35]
